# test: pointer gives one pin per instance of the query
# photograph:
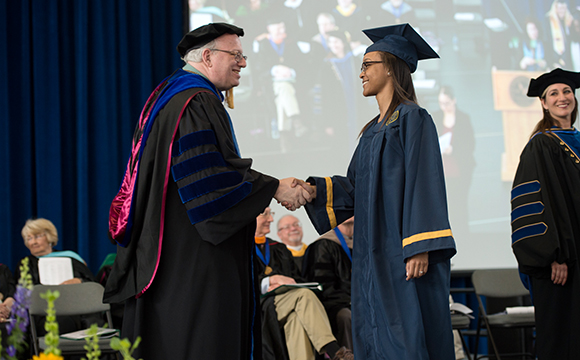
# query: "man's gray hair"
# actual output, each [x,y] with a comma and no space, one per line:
[195,55]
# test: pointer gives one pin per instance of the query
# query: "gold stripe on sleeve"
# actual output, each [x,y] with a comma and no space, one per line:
[426,236]
[329,200]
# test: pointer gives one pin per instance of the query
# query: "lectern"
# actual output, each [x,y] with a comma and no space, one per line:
[519,114]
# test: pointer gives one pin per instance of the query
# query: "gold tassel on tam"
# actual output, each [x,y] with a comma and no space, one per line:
[230,98]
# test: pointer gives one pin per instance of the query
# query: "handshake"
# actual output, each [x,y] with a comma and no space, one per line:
[293,193]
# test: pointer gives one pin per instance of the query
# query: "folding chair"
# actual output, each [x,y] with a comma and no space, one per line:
[500,284]
[75,299]
[461,322]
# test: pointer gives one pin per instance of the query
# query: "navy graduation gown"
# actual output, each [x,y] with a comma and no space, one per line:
[395,189]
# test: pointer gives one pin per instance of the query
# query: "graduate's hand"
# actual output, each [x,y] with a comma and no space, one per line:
[309,191]
[417,266]
[559,273]
[277,280]
[291,195]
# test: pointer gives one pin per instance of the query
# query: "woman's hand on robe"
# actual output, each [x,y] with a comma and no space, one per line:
[72,281]
[559,273]
[417,265]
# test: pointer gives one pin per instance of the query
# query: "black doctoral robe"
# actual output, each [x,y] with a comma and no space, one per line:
[186,271]
[327,263]
[545,215]
[281,262]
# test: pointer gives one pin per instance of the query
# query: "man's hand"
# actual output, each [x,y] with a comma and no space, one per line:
[277,280]
[559,273]
[417,266]
[293,193]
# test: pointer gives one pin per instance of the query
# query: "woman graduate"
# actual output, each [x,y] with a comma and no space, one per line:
[396,190]
[545,215]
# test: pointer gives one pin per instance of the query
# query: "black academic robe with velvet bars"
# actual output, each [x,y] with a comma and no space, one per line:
[186,272]
[545,201]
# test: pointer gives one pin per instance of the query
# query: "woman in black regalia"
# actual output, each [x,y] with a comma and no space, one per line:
[545,204]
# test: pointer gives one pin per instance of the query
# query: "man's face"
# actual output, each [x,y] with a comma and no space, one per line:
[290,231]
[224,71]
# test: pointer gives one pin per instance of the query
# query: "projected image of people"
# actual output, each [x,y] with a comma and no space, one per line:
[534,53]
[278,66]
[338,93]
[564,35]
[457,143]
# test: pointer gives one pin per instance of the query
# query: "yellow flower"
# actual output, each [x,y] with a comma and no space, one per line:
[43,356]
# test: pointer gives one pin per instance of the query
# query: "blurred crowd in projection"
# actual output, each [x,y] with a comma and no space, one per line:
[301,85]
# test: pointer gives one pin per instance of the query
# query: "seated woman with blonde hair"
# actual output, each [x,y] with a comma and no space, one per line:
[40,236]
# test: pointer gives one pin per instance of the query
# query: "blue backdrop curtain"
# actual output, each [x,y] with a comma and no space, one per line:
[73,77]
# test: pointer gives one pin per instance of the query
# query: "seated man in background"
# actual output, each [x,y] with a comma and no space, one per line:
[328,261]
[298,310]
[290,233]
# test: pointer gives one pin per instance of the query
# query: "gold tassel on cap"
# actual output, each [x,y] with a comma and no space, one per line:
[230,98]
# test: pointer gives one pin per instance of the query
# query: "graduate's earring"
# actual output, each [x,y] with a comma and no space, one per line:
[388,73]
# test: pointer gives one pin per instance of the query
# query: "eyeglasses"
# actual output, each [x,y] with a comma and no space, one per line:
[365,65]
[268,213]
[287,227]
[36,237]
[238,56]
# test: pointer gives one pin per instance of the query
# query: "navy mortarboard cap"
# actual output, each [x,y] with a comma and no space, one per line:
[202,35]
[556,76]
[403,42]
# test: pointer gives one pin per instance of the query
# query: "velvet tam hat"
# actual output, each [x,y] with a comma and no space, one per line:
[403,42]
[557,76]
[202,35]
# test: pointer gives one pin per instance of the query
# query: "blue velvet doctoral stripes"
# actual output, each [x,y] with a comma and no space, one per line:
[526,188]
[209,184]
[74,75]
[220,204]
[534,208]
[197,163]
[528,231]
[193,140]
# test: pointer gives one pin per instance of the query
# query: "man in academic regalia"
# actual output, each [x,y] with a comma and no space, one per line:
[328,261]
[298,311]
[291,234]
[184,217]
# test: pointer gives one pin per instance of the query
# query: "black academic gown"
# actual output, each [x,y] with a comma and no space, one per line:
[7,282]
[546,228]
[187,274]
[327,263]
[280,263]
[395,189]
